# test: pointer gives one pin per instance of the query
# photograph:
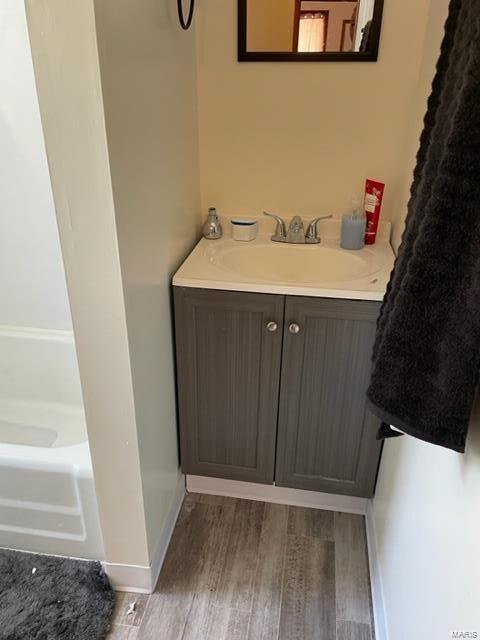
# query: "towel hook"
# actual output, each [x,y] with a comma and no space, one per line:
[185,24]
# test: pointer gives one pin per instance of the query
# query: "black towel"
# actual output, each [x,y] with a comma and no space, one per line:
[427,353]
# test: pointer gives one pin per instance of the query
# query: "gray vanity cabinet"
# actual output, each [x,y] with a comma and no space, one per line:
[228,366]
[281,402]
[326,436]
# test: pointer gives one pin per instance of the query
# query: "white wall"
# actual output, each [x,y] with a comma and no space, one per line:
[65,55]
[426,509]
[149,88]
[117,85]
[32,278]
[427,520]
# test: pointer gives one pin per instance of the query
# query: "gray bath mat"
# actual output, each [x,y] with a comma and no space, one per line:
[47,598]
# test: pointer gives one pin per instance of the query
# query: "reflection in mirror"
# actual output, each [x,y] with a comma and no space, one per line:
[309,29]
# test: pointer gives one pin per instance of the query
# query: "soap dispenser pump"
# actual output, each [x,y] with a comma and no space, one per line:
[212,229]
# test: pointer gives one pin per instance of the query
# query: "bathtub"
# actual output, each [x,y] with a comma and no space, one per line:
[47,493]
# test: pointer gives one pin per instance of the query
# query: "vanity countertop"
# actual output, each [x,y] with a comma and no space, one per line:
[318,270]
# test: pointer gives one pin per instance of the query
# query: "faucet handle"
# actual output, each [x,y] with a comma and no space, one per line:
[311,237]
[280,234]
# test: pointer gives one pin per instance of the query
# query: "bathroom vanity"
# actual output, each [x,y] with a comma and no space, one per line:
[273,358]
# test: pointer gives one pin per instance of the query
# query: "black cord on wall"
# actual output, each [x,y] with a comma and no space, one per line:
[185,24]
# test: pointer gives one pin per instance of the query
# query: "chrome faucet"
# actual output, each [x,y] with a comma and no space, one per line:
[296,232]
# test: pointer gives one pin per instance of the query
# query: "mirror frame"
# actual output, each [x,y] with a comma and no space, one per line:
[328,56]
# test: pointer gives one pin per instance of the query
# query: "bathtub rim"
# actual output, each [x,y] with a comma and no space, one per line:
[76,456]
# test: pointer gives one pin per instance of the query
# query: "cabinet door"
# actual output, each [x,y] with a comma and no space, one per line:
[228,364]
[327,437]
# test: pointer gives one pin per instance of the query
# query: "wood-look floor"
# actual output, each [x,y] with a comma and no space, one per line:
[245,570]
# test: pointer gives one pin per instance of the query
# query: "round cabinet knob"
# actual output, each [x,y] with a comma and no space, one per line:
[294,328]
[272,326]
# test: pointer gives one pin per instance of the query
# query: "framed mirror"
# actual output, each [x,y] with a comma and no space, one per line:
[309,30]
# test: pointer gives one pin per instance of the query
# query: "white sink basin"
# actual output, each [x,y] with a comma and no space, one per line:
[298,263]
[263,266]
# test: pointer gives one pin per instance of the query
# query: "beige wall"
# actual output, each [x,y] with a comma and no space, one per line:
[433,34]
[270,25]
[303,137]
[64,49]
[149,88]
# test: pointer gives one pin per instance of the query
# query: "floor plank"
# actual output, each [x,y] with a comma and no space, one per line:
[267,590]
[120,632]
[245,570]
[216,623]
[308,602]
[315,523]
[227,624]
[235,590]
[165,617]
[206,498]
[122,606]
[191,571]
[353,631]
[351,569]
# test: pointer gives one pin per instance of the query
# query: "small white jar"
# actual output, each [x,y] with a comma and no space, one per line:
[244,229]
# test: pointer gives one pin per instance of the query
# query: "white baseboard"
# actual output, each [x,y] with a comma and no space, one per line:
[129,577]
[378,601]
[140,579]
[280,495]
[161,549]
